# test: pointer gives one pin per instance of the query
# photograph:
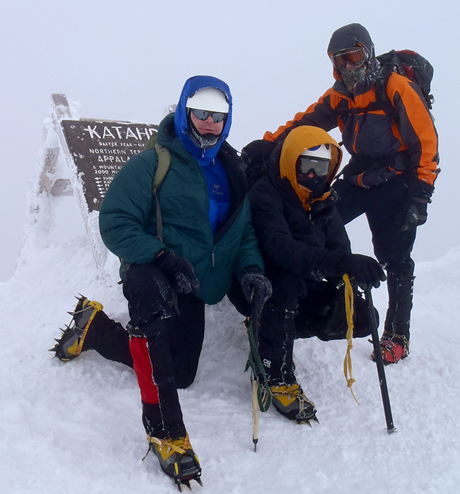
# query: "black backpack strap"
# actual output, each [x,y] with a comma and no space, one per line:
[382,101]
[388,63]
[164,162]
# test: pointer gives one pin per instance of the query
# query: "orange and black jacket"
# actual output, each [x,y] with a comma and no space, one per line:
[373,136]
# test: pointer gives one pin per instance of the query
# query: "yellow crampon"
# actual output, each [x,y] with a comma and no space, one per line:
[177,459]
[291,401]
[70,344]
[166,447]
[347,365]
[76,349]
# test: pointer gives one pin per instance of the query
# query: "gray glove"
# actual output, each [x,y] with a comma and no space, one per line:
[256,288]
[416,213]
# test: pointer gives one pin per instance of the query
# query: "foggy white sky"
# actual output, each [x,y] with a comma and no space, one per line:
[128,61]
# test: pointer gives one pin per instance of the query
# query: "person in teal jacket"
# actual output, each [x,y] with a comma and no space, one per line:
[208,250]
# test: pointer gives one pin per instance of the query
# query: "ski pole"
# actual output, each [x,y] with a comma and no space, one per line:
[255,402]
[379,362]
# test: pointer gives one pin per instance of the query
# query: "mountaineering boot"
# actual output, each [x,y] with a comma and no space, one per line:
[400,295]
[291,401]
[394,347]
[177,459]
[72,340]
[394,343]
[276,344]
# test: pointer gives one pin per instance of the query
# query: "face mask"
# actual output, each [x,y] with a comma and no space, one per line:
[352,76]
[205,141]
[315,185]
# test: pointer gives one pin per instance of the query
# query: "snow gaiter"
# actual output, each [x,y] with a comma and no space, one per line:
[400,290]
[276,342]
[109,339]
[164,378]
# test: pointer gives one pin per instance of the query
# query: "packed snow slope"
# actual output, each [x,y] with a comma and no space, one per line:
[75,427]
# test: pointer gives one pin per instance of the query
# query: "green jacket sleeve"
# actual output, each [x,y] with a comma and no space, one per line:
[126,222]
[249,253]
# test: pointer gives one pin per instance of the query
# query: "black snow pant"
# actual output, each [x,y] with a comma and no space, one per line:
[300,308]
[162,343]
[385,206]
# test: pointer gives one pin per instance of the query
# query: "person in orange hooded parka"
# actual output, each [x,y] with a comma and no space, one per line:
[392,170]
[306,252]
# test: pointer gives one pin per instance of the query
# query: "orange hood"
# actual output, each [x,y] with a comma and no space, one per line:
[299,140]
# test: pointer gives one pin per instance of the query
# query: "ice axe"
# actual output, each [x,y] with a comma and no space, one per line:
[379,362]
[261,395]
[255,404]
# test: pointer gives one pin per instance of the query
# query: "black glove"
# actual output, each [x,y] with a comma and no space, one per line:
[373,177]
[256,288]
[416,213]
[179,272]
[365,270]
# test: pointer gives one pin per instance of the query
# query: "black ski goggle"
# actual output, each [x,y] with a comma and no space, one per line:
[204,115]
[307,163]
[352,56]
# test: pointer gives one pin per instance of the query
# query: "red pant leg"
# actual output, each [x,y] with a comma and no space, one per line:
[143,369]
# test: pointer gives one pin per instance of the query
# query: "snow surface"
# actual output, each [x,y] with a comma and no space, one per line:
[75,427]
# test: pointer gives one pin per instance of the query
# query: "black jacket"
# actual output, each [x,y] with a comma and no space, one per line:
[307,243]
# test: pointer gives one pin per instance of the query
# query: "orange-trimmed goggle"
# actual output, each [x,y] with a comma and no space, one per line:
[353,56]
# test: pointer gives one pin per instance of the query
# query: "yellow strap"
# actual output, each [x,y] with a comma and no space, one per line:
[347,366]
[162,443]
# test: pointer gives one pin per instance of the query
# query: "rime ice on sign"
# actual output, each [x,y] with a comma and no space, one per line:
[77,158]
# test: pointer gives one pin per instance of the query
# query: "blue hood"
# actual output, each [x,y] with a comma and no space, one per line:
[191,86]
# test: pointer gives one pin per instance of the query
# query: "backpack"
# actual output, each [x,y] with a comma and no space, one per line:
[164,162]
[255,156]
[409,64]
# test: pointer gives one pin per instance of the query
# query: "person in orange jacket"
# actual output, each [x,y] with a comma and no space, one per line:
[393,167]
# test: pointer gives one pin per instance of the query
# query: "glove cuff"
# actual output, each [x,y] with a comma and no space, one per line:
[250,269]
[420,189]
[328,266]
[161,257]
[420,200]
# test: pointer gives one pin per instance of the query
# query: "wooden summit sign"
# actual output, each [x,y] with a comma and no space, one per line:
[100,149]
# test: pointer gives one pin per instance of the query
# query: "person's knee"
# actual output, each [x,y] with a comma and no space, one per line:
[402,268]
[362,324]
[149,294]
[287,288]
[184,381]
[140,280]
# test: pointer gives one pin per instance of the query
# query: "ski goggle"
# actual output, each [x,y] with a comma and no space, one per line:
[307,163]
[353,56]
[204,115]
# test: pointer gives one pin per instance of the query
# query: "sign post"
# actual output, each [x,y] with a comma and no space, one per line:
[80,157]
